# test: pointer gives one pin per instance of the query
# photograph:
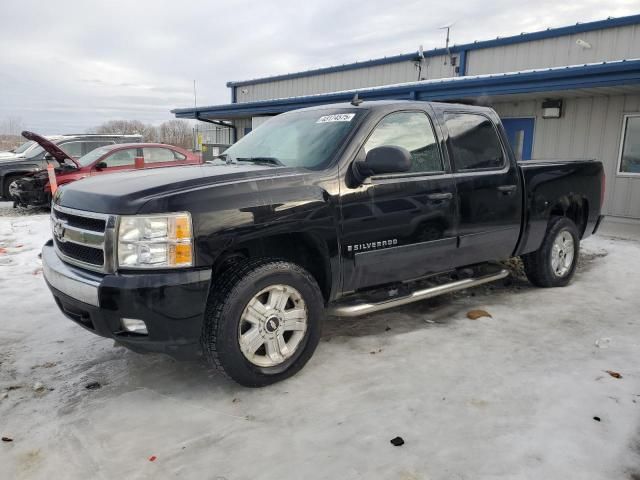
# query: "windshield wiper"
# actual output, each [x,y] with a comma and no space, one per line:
[223,157]
[261,160]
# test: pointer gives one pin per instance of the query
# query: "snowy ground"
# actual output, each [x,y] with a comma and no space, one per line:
[508,397]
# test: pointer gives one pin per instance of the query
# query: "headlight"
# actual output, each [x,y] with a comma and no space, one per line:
[155,241]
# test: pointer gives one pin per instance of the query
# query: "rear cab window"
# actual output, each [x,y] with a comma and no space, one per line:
[474,142]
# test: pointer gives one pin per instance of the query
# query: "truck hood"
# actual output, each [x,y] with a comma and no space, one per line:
[126,193]
[50,147]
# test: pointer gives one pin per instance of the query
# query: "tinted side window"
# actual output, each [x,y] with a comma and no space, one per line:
[473,141]
[73,149]
[413,131]
[89,146]
[158,155]
[122,158]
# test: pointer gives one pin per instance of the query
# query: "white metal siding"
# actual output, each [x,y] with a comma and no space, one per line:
[388,74]
[241,124]
[590,127]
[607,44]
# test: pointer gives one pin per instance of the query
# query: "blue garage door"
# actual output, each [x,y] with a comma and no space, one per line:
[520,135]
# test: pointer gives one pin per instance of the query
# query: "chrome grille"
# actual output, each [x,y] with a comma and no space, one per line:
[85,239]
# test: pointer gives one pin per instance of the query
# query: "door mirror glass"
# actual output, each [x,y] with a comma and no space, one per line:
[101,165]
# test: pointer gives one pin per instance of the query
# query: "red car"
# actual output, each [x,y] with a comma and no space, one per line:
[36,190]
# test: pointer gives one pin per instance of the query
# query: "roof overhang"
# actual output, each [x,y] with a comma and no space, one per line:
[471,88]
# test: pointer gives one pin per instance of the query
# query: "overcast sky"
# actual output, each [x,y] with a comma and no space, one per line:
[69,65]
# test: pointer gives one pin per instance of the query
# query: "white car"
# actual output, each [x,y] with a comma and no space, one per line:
[25,149]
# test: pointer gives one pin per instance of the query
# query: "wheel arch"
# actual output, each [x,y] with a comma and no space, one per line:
[301,248]
[7,177]
[573,206]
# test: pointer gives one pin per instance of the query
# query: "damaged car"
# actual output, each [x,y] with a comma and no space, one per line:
[32,157]
[35,189]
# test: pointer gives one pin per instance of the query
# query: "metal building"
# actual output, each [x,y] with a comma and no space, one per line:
[570,92]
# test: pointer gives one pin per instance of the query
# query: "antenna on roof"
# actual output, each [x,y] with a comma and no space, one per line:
[419,61]
[448,29]
[355,101]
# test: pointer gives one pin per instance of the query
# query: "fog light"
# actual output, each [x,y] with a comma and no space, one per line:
[134,325]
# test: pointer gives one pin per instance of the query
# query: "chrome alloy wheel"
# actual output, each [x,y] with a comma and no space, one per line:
[272,325]
[562,254]
[13,189]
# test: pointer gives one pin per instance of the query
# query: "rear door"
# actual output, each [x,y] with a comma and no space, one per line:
[400,226]
[488,187]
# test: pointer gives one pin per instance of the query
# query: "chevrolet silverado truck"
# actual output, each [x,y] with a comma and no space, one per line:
[345,209]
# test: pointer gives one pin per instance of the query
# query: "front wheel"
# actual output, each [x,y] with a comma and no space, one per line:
[554,263]
[262,322]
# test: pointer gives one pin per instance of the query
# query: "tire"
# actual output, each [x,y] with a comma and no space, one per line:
[5,185]
[259,283]
[541,268]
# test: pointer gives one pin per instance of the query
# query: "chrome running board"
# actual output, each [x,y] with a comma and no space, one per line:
[357,309]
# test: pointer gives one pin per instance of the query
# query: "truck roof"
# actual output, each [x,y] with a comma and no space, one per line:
[388,104]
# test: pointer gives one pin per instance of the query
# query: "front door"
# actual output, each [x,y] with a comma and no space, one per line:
[520,135]
[400,226]
[118,161]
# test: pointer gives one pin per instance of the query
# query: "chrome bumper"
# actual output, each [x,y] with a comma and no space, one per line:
[76,283]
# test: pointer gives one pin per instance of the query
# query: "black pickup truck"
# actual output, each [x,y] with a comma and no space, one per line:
[343,209]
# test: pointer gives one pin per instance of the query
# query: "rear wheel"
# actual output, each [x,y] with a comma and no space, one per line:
[554,263]
[262,322]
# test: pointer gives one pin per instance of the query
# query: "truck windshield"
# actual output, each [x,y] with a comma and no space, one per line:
[306,139]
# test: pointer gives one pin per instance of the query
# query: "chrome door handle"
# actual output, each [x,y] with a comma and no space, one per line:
[440,196]
[507,189]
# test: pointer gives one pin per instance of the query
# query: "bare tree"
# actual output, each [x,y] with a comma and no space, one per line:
[121,127]
[150,134]
[12,126]
[173,132]
[176,132]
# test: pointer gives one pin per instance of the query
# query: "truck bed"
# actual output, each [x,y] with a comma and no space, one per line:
[550,184]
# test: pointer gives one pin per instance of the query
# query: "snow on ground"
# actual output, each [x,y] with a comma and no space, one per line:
[508,397]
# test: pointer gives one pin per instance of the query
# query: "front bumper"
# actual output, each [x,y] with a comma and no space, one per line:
[27,192]
[172,304]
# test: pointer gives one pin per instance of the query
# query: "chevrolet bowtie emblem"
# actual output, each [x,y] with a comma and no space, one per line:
[58,229]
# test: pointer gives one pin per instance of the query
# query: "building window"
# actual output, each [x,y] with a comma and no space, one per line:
[629,163]
[473,142]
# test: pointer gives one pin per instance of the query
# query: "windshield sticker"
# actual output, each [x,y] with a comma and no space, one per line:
[340,117]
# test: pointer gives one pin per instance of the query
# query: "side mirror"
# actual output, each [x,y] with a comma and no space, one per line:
[101,165]
[381,160]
